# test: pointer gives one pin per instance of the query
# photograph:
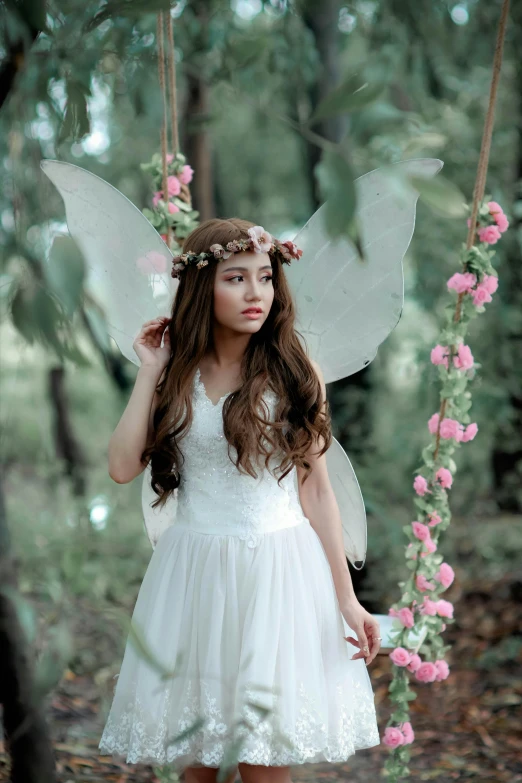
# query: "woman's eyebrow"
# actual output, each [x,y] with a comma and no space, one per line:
[244,268]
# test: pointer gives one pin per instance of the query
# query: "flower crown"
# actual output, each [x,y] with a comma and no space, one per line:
[259,240]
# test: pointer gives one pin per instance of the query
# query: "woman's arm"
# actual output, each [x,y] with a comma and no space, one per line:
[320,507]
[134,430]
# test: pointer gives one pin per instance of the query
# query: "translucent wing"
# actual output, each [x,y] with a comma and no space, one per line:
[128,273]
[128,263]
[346,308]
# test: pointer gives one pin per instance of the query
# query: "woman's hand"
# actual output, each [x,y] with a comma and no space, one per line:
[365,626]
[147,344]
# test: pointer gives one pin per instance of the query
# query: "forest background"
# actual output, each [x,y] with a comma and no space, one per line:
[79,83]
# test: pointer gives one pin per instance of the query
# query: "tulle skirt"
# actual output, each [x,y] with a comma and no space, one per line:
[252,639]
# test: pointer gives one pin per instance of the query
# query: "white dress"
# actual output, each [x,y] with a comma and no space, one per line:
[238,599]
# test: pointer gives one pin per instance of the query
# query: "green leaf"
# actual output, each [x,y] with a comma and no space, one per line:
[353,94]
[442,195]
[336,185]
[65,272]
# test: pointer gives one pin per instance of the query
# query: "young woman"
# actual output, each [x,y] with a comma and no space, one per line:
[245,592]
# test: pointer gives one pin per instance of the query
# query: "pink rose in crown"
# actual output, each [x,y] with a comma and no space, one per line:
[444,477]
[173,185]
[400,656]
[420,531]
[406,617]
[261,239]
[393,737]
[489,234]
[415,662]
[427,672]
[434,519]
[420,485]
[408,732]
[439,355]
[433,423]
[444,608]
[186,174]
[470,432]
[423,584]
[462,283]
[464,358]
[445,575]
[442,669]
[428,607]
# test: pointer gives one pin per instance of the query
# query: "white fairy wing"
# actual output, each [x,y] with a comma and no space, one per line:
[128,263]
[350,501]
[346,308]
[128,267]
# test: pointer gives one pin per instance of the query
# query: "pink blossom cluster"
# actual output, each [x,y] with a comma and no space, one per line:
[425,671]
[174,183]
[451,428]
[490,234]
[464,283]
[401,735]
[462,361]
[443,478]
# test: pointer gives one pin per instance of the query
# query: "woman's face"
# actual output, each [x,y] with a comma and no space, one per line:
[243,291]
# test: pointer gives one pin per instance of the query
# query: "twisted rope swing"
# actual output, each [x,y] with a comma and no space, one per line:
[164,20]
[480,181]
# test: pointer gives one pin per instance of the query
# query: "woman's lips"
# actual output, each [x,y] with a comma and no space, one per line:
[252,313]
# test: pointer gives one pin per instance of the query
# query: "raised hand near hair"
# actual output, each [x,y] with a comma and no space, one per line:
[147,344]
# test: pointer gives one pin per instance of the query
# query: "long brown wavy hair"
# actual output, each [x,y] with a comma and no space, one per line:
[274,359]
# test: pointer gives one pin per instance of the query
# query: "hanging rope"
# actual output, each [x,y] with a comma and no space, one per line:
[480,181]
[163,132]
[172,86]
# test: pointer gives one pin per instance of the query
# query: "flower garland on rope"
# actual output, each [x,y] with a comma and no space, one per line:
[174,210]
[420,608]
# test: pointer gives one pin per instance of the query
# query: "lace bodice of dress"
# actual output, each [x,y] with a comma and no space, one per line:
[213,496]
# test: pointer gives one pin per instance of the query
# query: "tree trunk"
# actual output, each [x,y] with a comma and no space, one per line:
[29,749]
[67,446]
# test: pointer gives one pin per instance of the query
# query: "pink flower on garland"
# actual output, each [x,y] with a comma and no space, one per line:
[400,656]
[164,237]
[186,174]
[420,531]
[431,546]
[428,607]
[173,208]
[444,477]
[462,283]
[173,185]
[393,737]
[489,234]
[420,485]
[423,584]
[407,730]
[393,612]
[434,519]
[156,197]
[445,575]
[470,432]
[498,215]
[482,293]
[464,359]
[439,355]
[170,157]
[444,608]
[433,423]
[442,669]
[450,428]
[490,283]
[415,662]
[427,672]
[406,617]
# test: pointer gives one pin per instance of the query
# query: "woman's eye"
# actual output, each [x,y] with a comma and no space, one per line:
[236,277]
[267,277]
